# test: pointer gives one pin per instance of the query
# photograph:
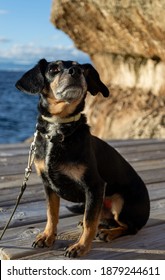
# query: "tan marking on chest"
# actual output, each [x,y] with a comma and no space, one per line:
[74,172]
[39,165]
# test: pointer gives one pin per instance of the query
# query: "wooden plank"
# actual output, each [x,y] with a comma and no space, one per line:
[14,160]
[13,169]
[32,193]
[11,181]
[151,155]
[156,191]
[29,213]
[141,148]
[148,164]
[153,176]
[134,142]
[14,151]
[14,146]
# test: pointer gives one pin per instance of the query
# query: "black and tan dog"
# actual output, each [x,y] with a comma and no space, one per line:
[77,166]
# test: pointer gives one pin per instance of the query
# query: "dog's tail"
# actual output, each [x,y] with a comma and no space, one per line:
[77,208]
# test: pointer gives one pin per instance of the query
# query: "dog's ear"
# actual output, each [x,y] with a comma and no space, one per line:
[33,81]
[94,84]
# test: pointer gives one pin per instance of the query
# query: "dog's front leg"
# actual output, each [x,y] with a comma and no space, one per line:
[47,238]
[93,205]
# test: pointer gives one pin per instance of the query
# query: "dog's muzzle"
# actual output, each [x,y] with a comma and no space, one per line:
[72,84]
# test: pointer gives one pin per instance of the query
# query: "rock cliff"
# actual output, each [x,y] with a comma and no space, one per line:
[126,42]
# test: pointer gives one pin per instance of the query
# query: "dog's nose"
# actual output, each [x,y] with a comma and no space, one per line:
[75,71]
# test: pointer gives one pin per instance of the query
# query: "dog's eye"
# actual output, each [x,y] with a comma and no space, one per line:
[54,69]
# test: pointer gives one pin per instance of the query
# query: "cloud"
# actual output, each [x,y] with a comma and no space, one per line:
[4,40]
[27,54]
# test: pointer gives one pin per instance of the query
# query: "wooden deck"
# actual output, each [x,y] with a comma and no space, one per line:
[147,157]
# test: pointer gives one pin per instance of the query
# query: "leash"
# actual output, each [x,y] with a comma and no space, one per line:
[28,171]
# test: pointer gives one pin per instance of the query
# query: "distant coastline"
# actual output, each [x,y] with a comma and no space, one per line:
[5,66]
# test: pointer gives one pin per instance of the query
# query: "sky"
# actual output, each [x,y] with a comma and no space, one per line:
[27,35]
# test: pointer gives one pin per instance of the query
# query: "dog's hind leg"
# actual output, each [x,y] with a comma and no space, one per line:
[112,207]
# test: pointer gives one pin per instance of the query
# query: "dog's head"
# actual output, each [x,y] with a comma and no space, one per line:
[62,81]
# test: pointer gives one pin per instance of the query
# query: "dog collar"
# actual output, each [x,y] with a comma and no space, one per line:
[62,120]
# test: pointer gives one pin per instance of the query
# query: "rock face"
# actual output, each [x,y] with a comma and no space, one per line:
[126,42]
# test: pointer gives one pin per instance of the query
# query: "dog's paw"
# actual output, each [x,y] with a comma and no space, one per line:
[44,240]
[80,224]
[104,235]
[108,235]
[76,250]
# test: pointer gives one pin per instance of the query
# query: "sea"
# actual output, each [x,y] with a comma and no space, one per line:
[18,111]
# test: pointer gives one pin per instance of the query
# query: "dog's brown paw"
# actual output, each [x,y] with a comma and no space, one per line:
[44,240]
[108,235]
[80,224]
[76,250]
[104,235]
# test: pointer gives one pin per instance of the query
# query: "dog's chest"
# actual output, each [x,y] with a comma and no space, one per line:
[64,169]
[60,160]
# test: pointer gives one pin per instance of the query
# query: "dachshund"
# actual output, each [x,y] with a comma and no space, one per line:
[76,165]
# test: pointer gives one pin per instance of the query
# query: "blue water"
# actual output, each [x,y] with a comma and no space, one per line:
[18,111]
